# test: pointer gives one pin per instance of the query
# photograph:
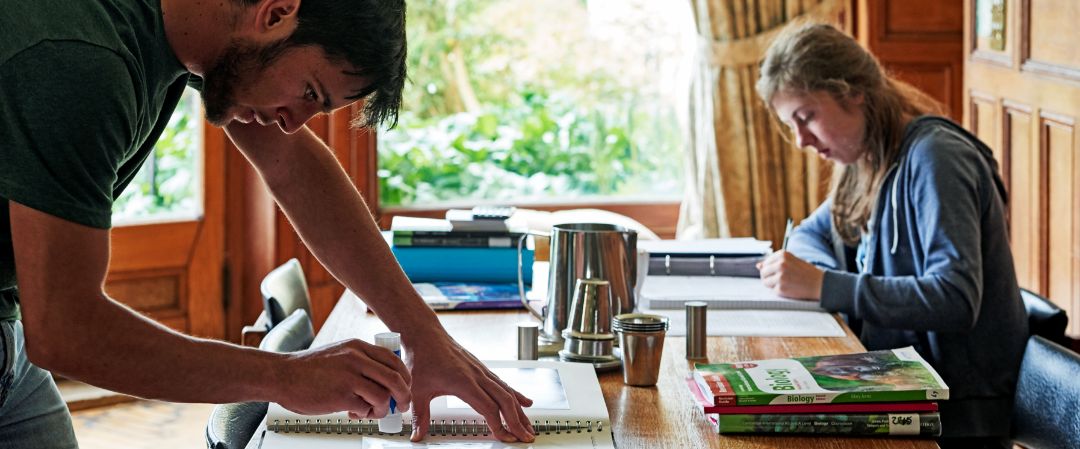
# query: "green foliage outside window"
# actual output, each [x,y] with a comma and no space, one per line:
[514,100]
[169,180]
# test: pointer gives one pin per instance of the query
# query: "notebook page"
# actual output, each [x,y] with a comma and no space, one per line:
[719,292]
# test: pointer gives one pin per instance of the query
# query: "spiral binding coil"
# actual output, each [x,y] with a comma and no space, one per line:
[440,427]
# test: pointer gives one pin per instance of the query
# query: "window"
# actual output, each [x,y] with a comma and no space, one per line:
[558,101]
[168,186]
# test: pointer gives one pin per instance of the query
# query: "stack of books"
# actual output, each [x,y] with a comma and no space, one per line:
[461,262]
[878,393]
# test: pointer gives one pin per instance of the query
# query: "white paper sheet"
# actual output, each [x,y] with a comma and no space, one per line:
[757,323]
[719,292]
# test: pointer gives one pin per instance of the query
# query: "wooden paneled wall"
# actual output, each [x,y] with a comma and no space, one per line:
[918,41]
[1023,99]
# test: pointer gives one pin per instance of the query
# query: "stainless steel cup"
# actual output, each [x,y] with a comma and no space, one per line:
[641,338]
[588,336]
[590,310]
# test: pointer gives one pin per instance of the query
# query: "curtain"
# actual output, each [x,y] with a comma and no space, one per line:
[743,177]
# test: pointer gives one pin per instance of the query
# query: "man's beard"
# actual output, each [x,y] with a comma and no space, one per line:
[220,81]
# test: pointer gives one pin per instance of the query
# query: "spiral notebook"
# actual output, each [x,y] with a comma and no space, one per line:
[568,412]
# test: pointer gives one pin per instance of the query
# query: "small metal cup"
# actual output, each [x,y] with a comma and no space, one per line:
[590,311]
[588,336]
[641,338]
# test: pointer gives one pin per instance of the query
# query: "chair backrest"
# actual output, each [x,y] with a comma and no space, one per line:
[292,334]
[1044,318]
[284,290]
[1047,397]
[231,425]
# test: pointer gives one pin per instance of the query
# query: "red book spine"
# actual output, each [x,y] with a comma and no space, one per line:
[717,386]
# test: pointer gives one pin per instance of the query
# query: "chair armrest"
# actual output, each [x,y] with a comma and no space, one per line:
[253,334]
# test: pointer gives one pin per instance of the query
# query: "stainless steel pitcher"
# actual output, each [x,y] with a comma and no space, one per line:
[586,251]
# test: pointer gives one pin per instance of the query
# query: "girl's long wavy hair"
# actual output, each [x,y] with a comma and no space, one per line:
[811,57]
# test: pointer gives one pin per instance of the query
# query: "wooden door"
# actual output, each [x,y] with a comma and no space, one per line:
[172,271]
[1022,97]
[918,41]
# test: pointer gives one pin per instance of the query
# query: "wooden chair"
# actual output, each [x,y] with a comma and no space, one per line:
[231,425]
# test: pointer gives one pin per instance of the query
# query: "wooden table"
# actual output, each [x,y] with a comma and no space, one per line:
[656,417]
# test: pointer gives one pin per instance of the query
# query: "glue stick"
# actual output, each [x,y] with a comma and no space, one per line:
[392,422]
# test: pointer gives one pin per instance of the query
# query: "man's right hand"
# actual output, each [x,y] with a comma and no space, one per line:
[350,375]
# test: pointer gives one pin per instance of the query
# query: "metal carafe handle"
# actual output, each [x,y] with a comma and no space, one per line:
[520,272]
[630,237]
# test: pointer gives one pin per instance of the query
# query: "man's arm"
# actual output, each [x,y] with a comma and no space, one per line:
[331,217]
[74,329]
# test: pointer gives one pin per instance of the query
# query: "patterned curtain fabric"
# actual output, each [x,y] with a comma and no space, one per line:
[743,178]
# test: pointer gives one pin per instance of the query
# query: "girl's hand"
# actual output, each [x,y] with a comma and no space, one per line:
[791,277]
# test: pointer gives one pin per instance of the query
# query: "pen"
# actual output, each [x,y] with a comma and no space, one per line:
[787,233]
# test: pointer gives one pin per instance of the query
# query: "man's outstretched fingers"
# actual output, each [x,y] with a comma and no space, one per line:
[421,418]
[524,402]
[516,421]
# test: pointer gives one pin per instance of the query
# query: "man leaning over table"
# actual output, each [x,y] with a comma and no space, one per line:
[85,90]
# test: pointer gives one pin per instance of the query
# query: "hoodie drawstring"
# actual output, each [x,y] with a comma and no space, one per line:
[895,221]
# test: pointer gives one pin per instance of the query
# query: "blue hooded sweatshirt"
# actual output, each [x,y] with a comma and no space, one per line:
[936,273]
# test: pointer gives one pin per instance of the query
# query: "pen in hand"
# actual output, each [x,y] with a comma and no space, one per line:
[787,233]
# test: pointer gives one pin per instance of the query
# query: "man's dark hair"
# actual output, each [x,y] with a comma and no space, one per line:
[368,35]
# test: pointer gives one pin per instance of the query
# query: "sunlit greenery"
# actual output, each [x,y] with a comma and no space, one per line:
[168,182]
[515,100]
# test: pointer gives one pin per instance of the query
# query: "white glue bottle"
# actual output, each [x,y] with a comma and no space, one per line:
[392,422]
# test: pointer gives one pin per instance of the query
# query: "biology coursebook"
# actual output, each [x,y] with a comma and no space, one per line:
[897,375]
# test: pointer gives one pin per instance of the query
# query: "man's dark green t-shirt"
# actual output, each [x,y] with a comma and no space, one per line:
[86,88]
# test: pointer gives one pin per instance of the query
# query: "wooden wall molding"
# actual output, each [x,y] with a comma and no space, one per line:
[1029,63]
[1037,101]
[1004,58]
[941,22]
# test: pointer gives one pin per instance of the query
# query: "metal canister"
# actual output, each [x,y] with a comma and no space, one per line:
[696,333]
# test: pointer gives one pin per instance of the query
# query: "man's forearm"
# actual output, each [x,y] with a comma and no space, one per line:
[335,223]
[103,343]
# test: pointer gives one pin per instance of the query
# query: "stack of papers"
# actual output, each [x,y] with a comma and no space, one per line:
[719,292]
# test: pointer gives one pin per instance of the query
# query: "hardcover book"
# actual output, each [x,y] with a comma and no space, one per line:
[856,407]
[898,375]
[456,239]
[855,424]
[461,264]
